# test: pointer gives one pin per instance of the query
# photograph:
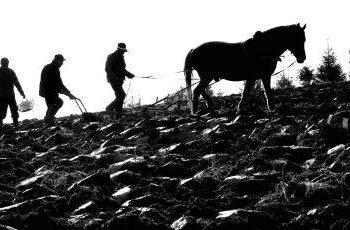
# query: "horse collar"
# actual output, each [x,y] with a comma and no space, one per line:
[250,51]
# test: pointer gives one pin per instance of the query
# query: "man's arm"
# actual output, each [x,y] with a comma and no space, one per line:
[63,89]
[124,71]
[18,85]
[128,74]
[19,88]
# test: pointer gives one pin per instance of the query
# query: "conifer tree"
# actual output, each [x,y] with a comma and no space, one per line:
[329,70]
[305,75]
[284,82]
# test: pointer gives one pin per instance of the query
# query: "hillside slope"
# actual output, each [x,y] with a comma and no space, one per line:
[286,169]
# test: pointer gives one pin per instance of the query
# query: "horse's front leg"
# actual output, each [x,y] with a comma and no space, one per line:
[247,88]
[268,92]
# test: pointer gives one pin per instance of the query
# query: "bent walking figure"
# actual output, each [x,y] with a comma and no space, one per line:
[8,79]
[51,86]
[116,72]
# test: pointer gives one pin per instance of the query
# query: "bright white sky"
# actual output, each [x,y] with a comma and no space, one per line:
[158,35]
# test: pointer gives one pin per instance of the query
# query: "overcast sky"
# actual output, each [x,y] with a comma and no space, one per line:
[158,35]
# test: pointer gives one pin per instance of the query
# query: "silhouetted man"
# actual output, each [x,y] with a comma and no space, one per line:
[116,72]
[8,79]
[51,86]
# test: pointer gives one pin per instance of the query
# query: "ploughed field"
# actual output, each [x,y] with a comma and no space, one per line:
[286,169]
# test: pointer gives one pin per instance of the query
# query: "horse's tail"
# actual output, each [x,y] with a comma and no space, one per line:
[188,76]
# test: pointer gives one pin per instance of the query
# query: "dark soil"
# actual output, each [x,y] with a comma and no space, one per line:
[284,169]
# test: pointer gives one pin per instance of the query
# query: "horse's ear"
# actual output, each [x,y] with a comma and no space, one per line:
[304,27]
[298,24]
[257,35]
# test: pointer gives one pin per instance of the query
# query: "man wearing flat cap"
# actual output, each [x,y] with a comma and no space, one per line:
[116,73]
[51,86]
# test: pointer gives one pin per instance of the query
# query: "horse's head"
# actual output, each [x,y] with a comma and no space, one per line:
[296,40]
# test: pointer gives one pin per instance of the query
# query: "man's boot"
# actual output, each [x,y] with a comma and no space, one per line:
[110,112]
[118,115]
[15,122]
[49,121]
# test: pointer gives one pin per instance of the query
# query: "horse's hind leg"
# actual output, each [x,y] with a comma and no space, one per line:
[196,94]
[268,93]
[207,98]
[247,88]
[200,89]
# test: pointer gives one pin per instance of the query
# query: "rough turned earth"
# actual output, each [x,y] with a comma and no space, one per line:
[286,169]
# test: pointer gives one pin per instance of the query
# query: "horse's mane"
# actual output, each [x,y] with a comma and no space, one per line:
[274,37]
[280,32]
[278,29]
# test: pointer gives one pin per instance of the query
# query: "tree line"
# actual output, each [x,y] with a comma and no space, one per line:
[329,70]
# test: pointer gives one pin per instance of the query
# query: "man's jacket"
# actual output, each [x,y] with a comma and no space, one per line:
[8,79]
[51,83]
[115,67]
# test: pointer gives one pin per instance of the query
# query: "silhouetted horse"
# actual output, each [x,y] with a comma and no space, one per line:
[256,58]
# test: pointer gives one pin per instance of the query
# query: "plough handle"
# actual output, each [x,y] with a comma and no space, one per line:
[76,101]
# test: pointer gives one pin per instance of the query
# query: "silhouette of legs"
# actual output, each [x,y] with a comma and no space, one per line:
[200,89]
[247,88]
[11,102]
[14,111]
[54,103]
[116,106]
[3,108]
[268,93]
[3,111]
[208,99]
